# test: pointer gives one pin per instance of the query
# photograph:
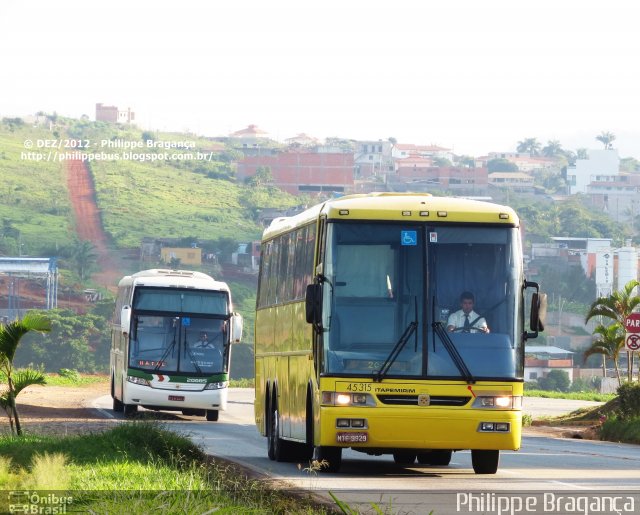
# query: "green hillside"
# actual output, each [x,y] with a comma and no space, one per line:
[192,198]
[34,205]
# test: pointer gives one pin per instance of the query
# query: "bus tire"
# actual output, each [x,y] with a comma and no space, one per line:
[485,462]
[129,409]
[440,457]
[212,415]
[329,458]
[404,458]
[117,404]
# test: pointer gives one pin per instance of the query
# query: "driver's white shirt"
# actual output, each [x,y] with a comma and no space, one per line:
[457,320]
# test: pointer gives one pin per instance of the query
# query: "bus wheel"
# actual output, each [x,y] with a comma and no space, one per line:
[129,409]
[117,404]
[329,458]
[439,457]
[404,458]
[212,415]
[485,462]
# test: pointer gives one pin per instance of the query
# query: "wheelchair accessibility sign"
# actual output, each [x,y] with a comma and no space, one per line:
[409,237]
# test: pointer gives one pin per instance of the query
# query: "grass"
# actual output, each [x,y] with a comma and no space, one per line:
[578,396]
[75,380]
[138,467]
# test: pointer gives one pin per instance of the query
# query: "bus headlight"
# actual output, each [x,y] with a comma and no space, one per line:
[347,399]
[217,386]
[498,401]
[138,380]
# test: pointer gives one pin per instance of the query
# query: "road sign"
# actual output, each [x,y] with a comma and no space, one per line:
[632,323]
[632,332]
[632,342]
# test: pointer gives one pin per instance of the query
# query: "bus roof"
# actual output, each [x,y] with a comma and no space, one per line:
[415,207]
[173,279]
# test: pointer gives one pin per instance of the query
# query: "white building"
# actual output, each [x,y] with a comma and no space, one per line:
[599,164]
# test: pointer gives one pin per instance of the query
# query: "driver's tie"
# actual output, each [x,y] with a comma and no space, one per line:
[467,324]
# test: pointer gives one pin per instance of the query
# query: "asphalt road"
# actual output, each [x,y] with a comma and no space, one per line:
[543,469]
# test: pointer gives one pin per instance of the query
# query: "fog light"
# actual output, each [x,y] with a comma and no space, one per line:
[358,422]
[487,401]
[487,426]
[502,426]
[342,422]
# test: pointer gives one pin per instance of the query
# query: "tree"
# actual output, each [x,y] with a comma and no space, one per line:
[529,145]
[501,165]
[262,177]
[552,149]
[606,138]
[617,307]
[555,380]
[582,153]
[83,258]
[609,343]
[10,336]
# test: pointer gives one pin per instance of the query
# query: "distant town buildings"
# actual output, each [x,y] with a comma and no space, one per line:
[113,114]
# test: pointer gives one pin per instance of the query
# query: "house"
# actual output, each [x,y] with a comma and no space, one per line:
[187,256]
[303,171]
[541,359]
[515,181]
[113,114]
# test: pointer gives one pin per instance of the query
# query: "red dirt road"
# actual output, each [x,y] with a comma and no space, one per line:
[88,223]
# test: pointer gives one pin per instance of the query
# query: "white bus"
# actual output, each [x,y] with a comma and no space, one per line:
[171,343]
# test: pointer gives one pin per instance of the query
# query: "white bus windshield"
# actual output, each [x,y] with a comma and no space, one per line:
[179,331]
[382,278]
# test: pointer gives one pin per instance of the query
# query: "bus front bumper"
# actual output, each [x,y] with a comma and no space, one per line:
[175,399]
[420,428]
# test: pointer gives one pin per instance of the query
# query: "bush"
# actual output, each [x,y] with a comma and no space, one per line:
[556,380]
[71,374]
[629,397]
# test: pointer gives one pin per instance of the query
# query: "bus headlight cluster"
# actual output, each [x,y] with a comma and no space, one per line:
[494,427]
[217,386]
[347,399]
[138,380]
[498,401]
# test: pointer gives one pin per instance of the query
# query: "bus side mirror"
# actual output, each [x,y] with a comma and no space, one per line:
[125,319]
[538,314]
[236,328]
[313,303]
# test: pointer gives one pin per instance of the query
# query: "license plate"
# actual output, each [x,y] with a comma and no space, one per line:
[352,437]
[176,397]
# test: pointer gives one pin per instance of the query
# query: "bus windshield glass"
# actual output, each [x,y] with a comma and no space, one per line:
[178,331]
[394,286]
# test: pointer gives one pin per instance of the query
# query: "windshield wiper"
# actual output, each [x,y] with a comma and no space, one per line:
[453,352]
[395,352]
[165,354]
[193,361]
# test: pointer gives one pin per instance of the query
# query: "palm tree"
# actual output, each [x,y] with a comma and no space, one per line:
[530,145]
[617,307]
[609,343]
[582,153]
[552,149]
[84,257]
[10,336]
[606,138]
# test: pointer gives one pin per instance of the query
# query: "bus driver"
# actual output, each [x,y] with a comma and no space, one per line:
[466,319]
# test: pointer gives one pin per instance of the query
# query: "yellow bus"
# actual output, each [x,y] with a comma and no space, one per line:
[354,346]
[171,343]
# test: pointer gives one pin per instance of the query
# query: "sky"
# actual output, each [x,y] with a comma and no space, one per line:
[473,76]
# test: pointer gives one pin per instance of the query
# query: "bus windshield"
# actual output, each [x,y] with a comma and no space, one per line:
[176,331]
[398,286]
